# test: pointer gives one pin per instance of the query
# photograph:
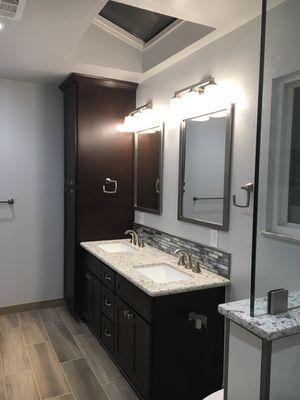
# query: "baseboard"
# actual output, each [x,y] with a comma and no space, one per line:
[31,306]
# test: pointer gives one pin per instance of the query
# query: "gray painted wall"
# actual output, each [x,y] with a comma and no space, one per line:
[31,171]
[234,58]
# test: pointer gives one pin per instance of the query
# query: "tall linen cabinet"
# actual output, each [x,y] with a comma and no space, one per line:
[98,169]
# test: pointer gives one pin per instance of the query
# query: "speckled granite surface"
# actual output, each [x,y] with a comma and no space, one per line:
[124,264]
[266,326]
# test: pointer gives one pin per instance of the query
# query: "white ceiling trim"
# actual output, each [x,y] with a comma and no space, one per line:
[118,32]
[129,38]
[163,33]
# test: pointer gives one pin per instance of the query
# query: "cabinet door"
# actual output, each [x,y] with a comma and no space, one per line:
[132,346]
[142,354]
[123,336]
[70,246]
[70,110]
[92,301]
[86,308]
[95,322]
[104,153]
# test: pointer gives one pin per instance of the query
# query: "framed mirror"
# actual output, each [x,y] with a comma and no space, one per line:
[148,166]
[204,171]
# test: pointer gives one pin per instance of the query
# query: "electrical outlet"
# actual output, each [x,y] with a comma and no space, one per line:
[213,238]
[142,218]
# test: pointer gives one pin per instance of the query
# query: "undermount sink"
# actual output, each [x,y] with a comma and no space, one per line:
[116,247]
[163,273]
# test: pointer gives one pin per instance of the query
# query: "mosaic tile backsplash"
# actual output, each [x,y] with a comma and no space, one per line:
[210,258]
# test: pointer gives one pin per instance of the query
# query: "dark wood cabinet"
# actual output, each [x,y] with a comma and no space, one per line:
[124,336]
[133,345]
[92,301]
[94,151]
[156,346]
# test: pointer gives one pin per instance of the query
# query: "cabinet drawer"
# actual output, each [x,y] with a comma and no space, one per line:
[92,263]
[108,277]
[107,333]
[108,303]
[136,298]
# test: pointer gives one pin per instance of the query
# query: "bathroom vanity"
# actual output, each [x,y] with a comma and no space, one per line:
[139,304]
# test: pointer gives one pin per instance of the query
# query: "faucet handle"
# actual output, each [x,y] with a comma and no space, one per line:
[141,242]
[197,268]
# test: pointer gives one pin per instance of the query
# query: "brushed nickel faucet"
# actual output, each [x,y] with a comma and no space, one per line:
[135,238]
[185,259]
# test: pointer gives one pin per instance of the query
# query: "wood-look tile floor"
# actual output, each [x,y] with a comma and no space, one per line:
[48,355]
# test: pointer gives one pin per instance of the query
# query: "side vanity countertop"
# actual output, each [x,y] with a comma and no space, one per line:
[264,325]
[125,263]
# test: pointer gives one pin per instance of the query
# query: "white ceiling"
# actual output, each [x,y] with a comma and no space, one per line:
[44,45]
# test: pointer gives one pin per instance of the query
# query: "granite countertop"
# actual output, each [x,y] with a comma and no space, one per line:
[264,325]
[124,264]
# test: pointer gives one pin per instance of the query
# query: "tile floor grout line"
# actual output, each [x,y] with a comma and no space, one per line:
[54,320]
[21,326]
[4,386]
[65,375]
[73,359]
[59,396]
[92,369]
[60,364]
[52,346]
[67,325]
[32,370]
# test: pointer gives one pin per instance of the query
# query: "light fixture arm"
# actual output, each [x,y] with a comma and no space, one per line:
[147,106]
[197,87]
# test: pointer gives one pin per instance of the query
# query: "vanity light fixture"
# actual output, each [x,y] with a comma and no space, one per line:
[205,94]
[139,119]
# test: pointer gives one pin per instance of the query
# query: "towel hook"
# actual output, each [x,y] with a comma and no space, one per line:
[248,187]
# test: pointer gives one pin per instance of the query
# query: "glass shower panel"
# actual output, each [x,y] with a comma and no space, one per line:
[277,251]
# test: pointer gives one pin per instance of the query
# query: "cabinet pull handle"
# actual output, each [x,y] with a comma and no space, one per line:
[107,277]
[106,333]
[157,186]
[107,303]
[131,316]
[107,182]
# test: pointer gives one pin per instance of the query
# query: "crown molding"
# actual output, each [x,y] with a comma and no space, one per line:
[118,32]
[169,29]
[130,39]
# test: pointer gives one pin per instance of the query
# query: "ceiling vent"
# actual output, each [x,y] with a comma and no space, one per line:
[12,9]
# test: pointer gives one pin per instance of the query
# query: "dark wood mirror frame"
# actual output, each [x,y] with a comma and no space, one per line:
[227,172]
[141,207]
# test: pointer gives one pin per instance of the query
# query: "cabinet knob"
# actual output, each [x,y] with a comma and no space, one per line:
[106,333]
[107,303]
[107,277]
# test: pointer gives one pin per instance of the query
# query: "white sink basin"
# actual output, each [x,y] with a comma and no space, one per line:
[116,247]
[163,273]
